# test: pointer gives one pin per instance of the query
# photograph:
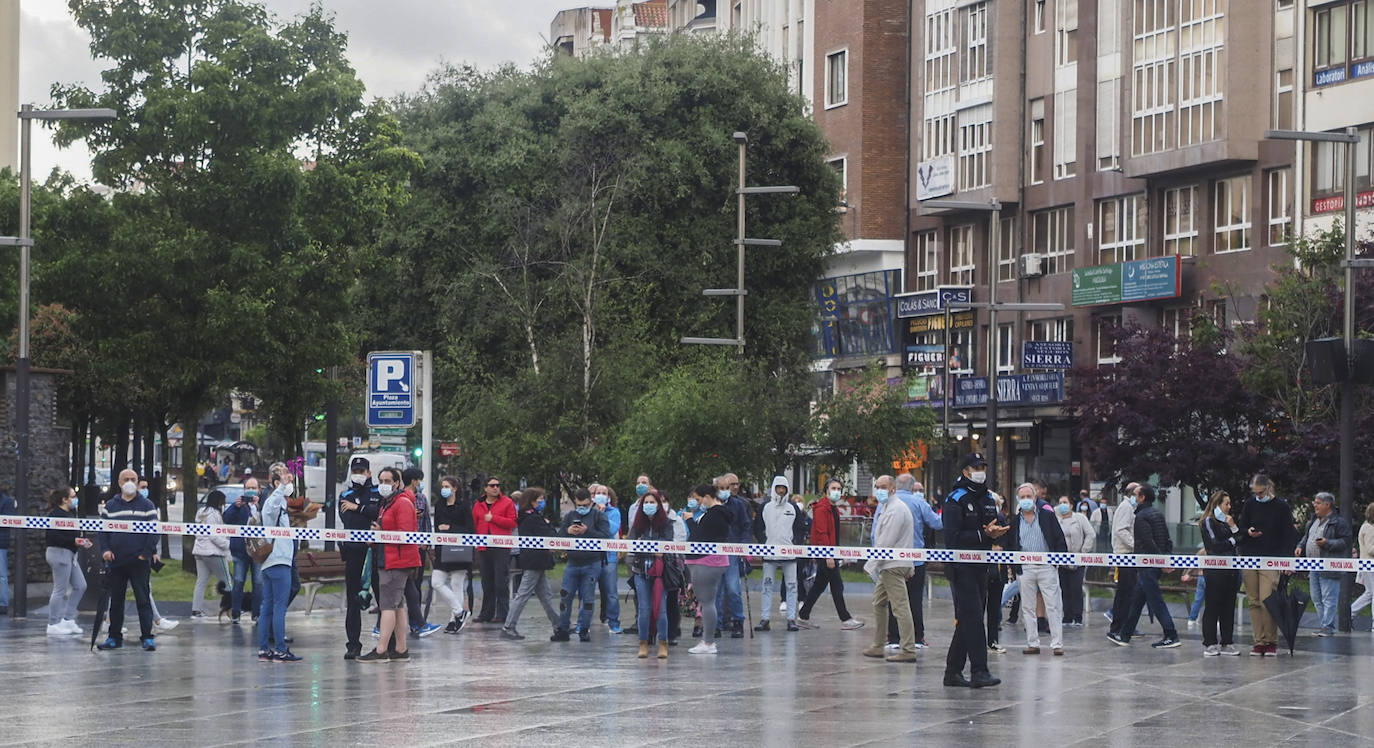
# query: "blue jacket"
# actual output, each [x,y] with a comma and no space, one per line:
[613,517]
[236,514]
[128,546]
[741,528]
[274,514]
[922,517]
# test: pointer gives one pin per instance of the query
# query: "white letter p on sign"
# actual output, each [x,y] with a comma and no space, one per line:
[391,371]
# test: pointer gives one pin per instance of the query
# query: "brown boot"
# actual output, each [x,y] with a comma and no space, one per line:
[663,650]
[643,650]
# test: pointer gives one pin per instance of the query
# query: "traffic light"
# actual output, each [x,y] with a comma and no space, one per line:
[418,452]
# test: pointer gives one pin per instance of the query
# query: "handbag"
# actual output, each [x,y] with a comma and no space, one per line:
[259,548]
[455,554]
[674,577]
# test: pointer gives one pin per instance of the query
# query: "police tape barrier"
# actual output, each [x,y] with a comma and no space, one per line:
[842,553]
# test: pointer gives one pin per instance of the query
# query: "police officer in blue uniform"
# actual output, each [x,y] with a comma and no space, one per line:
[971,523]
[359,507]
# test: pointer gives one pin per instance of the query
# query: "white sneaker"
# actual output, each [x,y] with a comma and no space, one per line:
[1211,650]
[57,629]
[852,624]
[782,607]
[72,627]
[892,648]
[1229,650]
[702,648]
[165,624]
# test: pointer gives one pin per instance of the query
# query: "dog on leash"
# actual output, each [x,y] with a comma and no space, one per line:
[226,600]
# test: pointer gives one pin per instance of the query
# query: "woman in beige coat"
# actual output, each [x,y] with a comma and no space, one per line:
[1079,535]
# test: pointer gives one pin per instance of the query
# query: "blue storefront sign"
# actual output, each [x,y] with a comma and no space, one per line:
[1362,69]
[1046,354]
[1327,77]
[1012,389]
[925,356]
[1155,278]
[934,301]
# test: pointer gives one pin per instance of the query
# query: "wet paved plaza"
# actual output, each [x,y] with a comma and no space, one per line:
[204,687]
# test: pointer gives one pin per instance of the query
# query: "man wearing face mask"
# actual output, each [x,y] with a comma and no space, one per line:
[583,569]
[129,557]
[777,524]
[610,571]
[911,493]
[825,524]
[244,508]
[892,529]
[359,507]
[1036,530]
[971,523]
[1123,542]
[1266,529]
[1152,538]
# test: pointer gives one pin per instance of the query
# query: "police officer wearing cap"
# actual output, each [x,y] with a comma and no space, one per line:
[971,523]
[359,506]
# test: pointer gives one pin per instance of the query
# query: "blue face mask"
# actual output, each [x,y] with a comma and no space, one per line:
[601,499]
[693,504]
[74,504]
[584,510]
[1220,515]
[250,494]
[1130,500]
[1026,504]
[920,495]
[650,509]
[143,492]
[539,505]
[1263,499]
[641,489]
[1063,509]
[446,492]
[880,494]
[723,494]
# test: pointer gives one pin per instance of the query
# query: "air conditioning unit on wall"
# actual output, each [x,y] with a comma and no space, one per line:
[1032,265]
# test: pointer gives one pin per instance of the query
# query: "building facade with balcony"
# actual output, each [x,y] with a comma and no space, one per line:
[1124,141]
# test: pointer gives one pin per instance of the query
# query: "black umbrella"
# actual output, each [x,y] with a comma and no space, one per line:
[102,571]
[1287,606]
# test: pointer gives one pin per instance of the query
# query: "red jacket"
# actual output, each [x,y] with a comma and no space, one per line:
[399,516]
[823,523]
[502,516]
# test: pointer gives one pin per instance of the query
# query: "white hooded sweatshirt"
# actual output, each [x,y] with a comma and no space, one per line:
[779,516]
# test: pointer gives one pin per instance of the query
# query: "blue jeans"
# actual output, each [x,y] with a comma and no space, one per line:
[1147,593]
[1326,593]
[1198,598]
[4,577]
[729,601]
[276,589]
[578,580]
[610,576]
[1012,589]
[644,586]
[242,563]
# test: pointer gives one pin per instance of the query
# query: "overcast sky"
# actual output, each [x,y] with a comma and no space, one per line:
[393,44]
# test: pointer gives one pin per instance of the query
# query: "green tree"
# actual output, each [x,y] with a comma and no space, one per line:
[254,175]
[868,420]
[560,234]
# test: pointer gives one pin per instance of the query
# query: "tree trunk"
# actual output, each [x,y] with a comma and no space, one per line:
[152,427]
[189,492]
[136,450]
[120,459]
[78,457]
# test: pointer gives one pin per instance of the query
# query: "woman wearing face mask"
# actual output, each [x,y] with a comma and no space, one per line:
[401,560]
[452,514]
[1080,538]
[1220,533]
[647,569]
[244,508]
[534,562]
[825,523]
[68,583]
[211,551]
[712,525]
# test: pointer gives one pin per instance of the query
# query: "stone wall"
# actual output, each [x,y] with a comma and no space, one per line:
[49,449]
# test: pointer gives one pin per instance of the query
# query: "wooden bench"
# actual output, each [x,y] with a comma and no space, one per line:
[316,569]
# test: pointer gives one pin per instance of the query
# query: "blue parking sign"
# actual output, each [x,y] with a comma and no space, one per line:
[391,389]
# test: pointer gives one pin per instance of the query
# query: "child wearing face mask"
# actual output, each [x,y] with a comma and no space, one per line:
[825,524]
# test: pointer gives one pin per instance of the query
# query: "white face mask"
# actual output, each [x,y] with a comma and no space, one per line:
[979,476]
[129,488]
[289,489]
[385,489]
[358,478]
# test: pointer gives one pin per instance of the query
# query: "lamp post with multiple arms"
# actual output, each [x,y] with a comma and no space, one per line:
[24,241]
[1350,138]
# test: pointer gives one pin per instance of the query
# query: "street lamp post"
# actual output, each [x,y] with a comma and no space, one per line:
[1350,138]
[27,115]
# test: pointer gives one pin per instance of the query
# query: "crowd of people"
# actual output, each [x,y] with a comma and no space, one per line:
[386,578]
